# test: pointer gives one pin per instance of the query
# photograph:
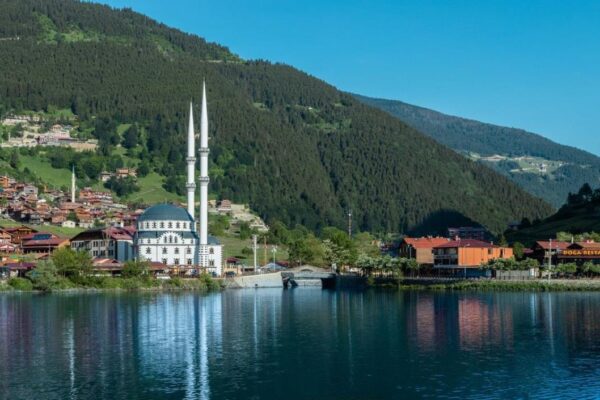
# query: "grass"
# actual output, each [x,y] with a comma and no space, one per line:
[57,230]
[151,190]
[537,285]
[41,168]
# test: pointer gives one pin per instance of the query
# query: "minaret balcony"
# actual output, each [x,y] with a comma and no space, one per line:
[204,179]
[190,159]
[204,151]
[190,185]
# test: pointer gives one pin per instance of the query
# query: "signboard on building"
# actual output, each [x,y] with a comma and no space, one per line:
[580,253]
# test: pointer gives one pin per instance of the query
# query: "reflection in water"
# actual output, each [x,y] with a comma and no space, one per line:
[299,344]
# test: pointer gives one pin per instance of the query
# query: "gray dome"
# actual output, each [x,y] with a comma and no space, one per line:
[165,212]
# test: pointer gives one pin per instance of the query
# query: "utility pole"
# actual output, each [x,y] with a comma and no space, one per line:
[274,250]
[549,259]
[254,247]
[265,259]
[349,223]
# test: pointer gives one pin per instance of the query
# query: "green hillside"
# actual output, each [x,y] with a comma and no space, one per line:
[566,168]
[581,214]
[291,146]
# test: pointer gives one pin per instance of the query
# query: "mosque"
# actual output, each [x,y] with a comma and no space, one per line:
[171,235]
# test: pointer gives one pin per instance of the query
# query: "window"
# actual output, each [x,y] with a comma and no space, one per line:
[147,225]
[177,225]
[148,251]
[164,260]
[154,224]
[170,239]
[170,225]
[176,261]
[189,261]
[164,239]
[175,239]
[489,252]
[164,250]
[189,250]
[176,250]
[162,225]
[211,263]
[211,251]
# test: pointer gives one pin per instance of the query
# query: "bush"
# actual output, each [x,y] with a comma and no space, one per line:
[211,284]
[20,284]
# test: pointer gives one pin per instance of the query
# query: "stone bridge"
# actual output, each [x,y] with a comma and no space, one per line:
[307,275]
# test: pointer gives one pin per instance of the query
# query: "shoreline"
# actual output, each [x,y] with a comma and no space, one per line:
[490,285]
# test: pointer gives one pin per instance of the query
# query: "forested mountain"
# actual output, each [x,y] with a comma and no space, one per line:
[293,147]
[542,167]
[579,216]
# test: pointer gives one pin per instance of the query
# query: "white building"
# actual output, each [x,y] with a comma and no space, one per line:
[171,235]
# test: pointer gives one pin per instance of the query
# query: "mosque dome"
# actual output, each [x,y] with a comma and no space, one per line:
[165,212]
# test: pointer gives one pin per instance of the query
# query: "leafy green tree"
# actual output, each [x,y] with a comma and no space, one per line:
[45,276]
[245,231]
[72,264]
[518,250]
[135,269]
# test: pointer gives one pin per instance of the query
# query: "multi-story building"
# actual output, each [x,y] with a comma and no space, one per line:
[113,243]
[468,253]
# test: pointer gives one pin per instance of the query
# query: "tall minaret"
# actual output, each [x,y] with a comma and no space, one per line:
[73,185]
[203,178]
[191,164]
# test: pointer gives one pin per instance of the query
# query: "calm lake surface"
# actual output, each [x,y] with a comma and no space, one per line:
[300,344]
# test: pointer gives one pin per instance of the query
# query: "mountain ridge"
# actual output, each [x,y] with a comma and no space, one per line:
[479,140]
[291,146]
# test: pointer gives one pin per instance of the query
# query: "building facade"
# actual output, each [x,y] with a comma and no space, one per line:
[469,253]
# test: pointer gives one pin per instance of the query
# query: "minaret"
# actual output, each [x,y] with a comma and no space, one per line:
[191,164]
[203,178]
[73,185]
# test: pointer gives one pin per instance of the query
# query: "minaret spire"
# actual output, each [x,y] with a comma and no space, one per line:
[191,164]
[204,180]
[73,184]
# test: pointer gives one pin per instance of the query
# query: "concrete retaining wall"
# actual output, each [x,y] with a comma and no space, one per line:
[273,280]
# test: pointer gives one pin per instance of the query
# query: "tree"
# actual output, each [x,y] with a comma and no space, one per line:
[14,159]
[135,269]
[72,264]
[44,276]
[131,137]
[245,231]
[518,250]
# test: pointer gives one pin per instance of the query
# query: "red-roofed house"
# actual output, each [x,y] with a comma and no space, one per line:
[543,249]
[43,242]
[421,248]
[468,253]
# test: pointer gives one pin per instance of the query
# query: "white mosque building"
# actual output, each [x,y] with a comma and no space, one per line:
[169,234]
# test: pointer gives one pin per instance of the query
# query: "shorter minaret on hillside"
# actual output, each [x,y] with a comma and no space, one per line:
[73,185]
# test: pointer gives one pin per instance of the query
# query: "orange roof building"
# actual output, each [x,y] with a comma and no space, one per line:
[421,249]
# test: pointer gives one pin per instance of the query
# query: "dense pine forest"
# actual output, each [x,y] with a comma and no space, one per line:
[467,136]
[291,146]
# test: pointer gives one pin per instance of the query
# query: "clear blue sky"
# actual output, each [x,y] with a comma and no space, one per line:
[528,64]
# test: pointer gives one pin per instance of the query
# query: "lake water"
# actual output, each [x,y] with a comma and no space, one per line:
[300,344]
